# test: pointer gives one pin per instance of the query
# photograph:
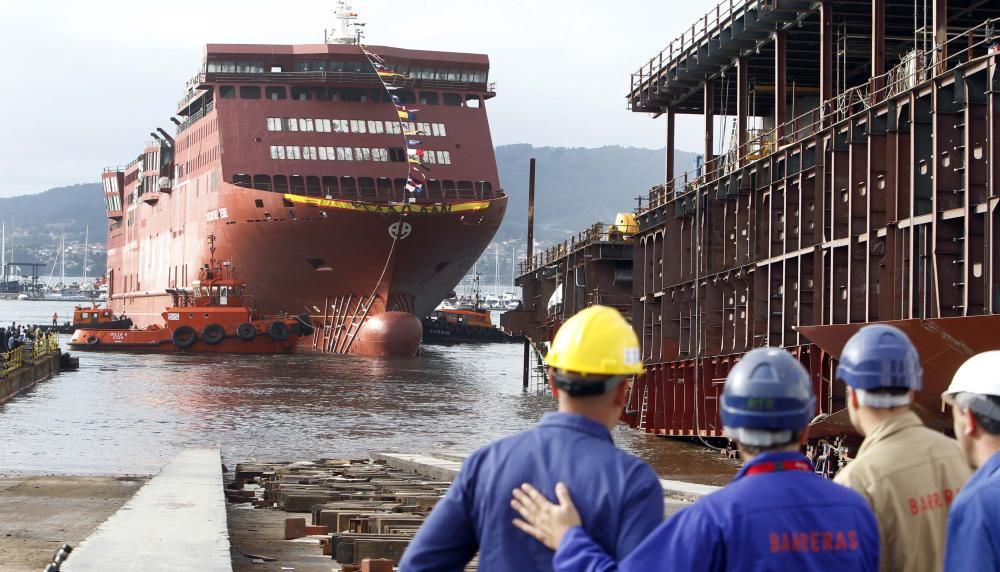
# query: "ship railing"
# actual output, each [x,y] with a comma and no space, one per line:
[11,360]
[914,69]
[703,28]
[381,195]
[193,118]
[597,232]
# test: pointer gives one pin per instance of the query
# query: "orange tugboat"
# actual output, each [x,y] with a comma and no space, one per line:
[214,316]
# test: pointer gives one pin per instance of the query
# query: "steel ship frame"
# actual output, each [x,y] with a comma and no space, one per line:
[860,184]
[293,156]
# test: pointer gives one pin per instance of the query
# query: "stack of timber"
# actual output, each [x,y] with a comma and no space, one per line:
[357,509]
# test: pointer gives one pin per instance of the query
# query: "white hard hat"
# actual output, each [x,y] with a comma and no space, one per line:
[980,374]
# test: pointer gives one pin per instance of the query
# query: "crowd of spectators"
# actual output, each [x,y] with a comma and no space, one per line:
[18,335]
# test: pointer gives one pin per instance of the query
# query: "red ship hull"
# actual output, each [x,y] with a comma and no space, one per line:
[299,161]
[306,263]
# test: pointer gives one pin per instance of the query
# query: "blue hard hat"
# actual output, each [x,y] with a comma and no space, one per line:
[768,389]
[880,356]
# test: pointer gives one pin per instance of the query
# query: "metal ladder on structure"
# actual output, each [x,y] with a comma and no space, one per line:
[644,408]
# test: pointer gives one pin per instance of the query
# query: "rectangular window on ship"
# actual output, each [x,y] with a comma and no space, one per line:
[331,153]
[291,124]
[322,153]
[323,125]
[275,92]
[312,154]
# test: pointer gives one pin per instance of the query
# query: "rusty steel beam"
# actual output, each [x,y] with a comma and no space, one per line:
[742,97]
[940,26]
[878,45]
[668,163]
[825,55]
[780,84]
[709,89]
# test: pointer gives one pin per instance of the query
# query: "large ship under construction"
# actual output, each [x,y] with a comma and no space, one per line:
[851,175]
[352,184]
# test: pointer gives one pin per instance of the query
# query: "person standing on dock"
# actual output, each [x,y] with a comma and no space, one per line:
[974,520]
[55,319]
[908,473]
[776,514]
[592,356]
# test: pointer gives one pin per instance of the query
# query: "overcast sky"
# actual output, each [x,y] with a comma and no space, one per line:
[85,82]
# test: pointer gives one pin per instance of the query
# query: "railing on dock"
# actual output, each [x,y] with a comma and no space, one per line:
[12,360]
[597,232]
[43,346]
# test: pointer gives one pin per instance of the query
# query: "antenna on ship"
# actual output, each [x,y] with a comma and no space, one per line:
[342,33]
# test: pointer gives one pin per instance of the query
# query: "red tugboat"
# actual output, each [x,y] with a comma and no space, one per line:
[214,316]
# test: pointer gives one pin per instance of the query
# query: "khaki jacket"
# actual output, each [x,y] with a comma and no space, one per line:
[909,474]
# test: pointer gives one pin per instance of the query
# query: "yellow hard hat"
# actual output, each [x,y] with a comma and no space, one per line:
[596,341]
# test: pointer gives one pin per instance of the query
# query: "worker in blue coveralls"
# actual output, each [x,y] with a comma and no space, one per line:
[776,514]
[592,357]
[974,520]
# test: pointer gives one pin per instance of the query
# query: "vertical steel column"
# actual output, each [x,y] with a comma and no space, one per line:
[709,124]
[668,172]
[741,109]
[780,86]
[940,35]
[825,57]
[530,252]
[878,45]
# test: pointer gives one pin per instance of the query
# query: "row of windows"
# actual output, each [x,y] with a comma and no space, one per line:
[396,155]
[354,126]
[414,72]
[333,66]
[405,97]
[360,188]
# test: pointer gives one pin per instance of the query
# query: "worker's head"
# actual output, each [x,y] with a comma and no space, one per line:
[592,357]
[767,402]
[974,396]
[882,372]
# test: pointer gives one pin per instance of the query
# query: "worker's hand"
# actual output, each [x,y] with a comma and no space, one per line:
[547,522]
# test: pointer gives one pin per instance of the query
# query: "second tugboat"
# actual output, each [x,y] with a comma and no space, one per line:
[214,316]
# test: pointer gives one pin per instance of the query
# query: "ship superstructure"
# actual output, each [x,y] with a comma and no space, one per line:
[297,158]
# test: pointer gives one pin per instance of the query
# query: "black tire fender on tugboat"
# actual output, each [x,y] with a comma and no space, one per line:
[213,334]
[184,337]
[278,331]
[93,340]
[246,331]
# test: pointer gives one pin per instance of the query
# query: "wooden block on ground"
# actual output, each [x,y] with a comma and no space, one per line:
[376,565]
[312,529]
[295,528]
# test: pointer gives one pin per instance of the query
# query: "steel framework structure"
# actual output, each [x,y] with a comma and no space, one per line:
[874,201]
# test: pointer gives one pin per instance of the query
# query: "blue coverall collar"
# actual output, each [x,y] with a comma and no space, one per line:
[576,423]
[987,470]
[771,457]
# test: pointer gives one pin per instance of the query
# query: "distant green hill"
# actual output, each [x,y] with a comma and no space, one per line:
[575,187]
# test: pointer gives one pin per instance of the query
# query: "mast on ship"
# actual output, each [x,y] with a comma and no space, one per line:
[346,19]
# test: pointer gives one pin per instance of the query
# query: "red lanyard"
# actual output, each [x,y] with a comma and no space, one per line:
[778,467]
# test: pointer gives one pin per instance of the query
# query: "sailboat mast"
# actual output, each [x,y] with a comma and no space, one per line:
[86,250]
[3,249]
[62,262]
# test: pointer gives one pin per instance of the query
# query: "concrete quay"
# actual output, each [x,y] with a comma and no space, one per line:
[177,521]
